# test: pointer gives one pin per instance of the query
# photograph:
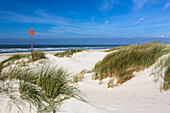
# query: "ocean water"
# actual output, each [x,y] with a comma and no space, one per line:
[23,45]
[26,48]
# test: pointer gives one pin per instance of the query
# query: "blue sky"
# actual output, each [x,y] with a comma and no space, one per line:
[85,18]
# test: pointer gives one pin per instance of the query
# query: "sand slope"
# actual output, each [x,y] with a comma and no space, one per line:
[78,62]
[138,95]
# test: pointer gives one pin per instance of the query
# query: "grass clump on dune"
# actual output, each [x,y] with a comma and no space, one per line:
[11,60]
[132,58]
[79,76]
[116,48]
[68,53]
[166,84]
[162,69]
[45,88]
[36,55]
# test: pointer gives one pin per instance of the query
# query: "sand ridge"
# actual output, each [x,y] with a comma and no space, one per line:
[138,95]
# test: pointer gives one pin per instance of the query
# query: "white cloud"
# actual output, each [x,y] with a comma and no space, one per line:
[40,17]
[107,21]
[166,5]
[162,36]
[84,29]
[108,4]
[138,4]
[141,19]
[41,13]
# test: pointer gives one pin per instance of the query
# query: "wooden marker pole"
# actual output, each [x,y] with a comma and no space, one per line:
[32,33]
[31,45]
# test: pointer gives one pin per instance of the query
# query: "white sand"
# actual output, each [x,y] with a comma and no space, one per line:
[78,62]
[3,57]
[138,95]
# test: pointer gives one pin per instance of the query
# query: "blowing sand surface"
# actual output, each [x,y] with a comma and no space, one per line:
[138,95]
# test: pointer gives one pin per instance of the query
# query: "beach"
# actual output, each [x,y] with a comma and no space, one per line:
[85,56]
[137,95]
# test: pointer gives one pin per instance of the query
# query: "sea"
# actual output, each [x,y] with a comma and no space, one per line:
[24,45]
[26,48]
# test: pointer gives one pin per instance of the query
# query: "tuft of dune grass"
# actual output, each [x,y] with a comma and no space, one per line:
[78,77]
[44,88]
[11,59]
[166,84]
[37,55]
[68,53]
[162,69]
[131,58]
[116,48]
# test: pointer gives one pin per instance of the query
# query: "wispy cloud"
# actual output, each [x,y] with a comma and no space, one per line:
[19,18]
[107,21]
[108,4]
[138,4]
[167,4]
[159,25]
[139,20]
[162,36]
[96,24]
[40,17]
[84,29]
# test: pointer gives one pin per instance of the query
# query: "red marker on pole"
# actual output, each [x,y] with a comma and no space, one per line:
[32,33]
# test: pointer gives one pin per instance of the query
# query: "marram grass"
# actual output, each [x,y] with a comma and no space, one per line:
[166,84]
[11,60]
[68,53]
[116,48]
[162,70]
[79,76]
[123,63]
[37,55]
[45,88]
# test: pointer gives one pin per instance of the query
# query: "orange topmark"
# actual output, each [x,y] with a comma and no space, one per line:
[32,32]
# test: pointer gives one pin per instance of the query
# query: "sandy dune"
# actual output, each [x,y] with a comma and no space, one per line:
[78,62]
[138,95]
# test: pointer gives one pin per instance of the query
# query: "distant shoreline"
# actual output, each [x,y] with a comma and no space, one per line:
[4,56]
[50,48]
[48,52]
